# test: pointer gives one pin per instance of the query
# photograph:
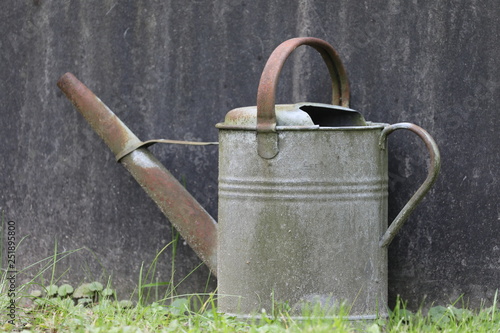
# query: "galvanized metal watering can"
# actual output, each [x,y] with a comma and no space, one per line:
[302,196]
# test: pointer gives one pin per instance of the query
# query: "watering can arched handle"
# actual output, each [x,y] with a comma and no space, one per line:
[435,165]
[267,138]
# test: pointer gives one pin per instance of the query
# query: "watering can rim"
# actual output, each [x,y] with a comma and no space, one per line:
[291,116]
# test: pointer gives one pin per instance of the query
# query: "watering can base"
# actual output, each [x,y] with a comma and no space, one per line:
[310,306]
[307,307]
[258,317]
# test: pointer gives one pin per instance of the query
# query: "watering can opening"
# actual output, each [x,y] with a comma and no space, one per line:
[326,115]
[301,116]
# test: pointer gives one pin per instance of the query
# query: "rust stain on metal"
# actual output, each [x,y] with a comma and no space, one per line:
[267,140]
[114,133]
[266,119]
[195,225]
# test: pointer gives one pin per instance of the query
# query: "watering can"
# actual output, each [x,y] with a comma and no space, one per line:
[302,196]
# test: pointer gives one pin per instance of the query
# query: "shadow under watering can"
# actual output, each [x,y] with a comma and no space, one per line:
[302,195]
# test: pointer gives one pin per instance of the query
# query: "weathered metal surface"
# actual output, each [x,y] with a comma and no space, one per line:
[304,225]
[148,143]
[266,118]
[300,115]
[114,133]
[286,115]
[434,167]
[192,221]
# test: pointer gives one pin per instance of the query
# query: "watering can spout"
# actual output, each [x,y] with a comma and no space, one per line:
[194,224]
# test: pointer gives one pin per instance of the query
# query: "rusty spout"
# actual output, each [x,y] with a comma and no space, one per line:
[195,225]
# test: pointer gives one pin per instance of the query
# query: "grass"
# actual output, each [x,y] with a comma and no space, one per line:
[58,309]
[60,314]
[45,306]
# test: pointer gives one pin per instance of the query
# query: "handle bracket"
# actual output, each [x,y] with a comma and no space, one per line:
[267,138]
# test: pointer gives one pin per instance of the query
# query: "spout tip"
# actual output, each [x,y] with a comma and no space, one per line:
[65,79]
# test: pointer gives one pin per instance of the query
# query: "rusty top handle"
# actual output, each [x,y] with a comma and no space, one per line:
[267,138]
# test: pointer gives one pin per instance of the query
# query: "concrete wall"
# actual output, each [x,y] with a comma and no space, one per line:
[172,69]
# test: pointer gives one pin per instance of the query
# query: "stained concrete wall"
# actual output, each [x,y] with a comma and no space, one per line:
[172,69]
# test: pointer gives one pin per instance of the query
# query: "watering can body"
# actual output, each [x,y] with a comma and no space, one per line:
[304,226]
[303,201]
[302,196]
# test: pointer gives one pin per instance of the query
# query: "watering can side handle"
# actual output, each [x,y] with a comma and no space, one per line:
[267,139]
[435,165]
